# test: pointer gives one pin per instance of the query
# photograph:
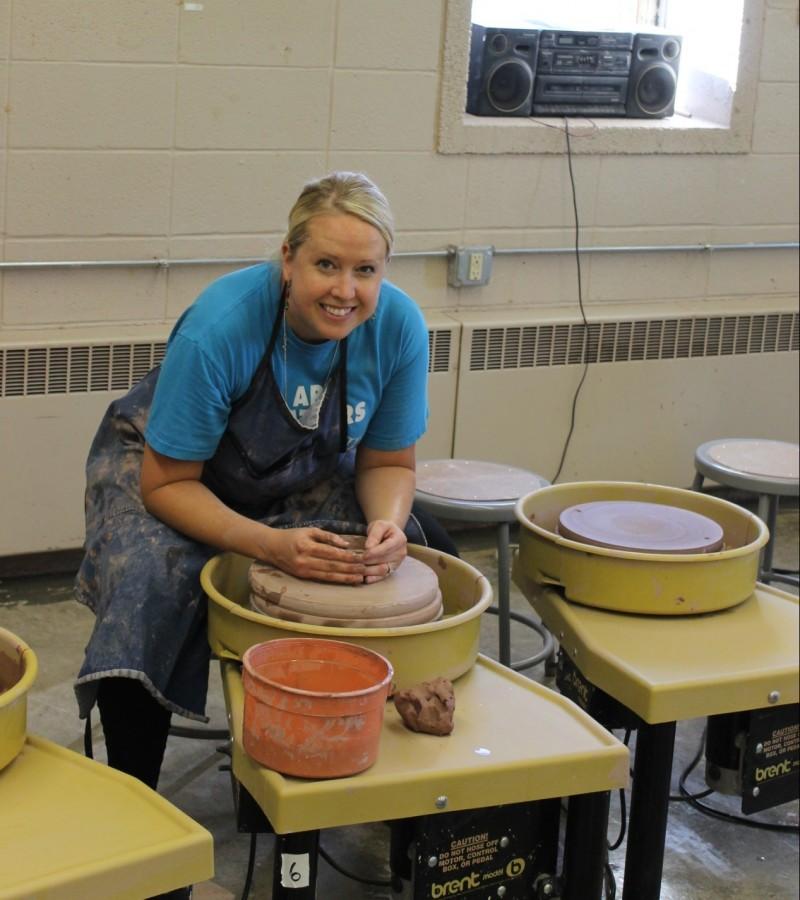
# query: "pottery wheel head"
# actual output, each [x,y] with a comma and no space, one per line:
[643,527]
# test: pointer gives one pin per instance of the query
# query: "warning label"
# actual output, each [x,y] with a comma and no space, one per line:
[471,853]
[782,742]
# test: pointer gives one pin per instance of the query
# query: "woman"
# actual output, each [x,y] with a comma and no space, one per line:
[285,414]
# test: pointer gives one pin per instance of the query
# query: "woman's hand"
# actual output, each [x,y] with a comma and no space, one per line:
[385,489]
[315,554]
[384,550]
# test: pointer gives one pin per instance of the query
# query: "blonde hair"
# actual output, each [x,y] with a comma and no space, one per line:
[342,192]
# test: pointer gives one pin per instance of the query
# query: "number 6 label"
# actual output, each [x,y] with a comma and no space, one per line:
[294,870]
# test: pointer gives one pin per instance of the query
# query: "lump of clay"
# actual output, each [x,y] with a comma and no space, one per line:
[428,706]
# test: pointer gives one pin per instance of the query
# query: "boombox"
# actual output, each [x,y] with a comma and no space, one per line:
[515,72]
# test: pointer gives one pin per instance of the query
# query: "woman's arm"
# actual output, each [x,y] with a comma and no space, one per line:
[385,484]
[173,492]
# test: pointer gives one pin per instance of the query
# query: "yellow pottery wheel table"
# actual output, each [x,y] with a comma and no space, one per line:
[73,828]
[514,741]
[682,667]
[669,668]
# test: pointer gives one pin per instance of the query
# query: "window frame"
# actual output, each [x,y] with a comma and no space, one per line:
[461,133]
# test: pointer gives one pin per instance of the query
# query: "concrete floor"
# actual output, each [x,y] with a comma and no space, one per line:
[705,858]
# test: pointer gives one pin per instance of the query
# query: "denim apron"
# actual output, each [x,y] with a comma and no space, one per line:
[141,578]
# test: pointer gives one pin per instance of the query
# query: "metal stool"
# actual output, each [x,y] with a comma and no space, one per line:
[766,468]
[472,491]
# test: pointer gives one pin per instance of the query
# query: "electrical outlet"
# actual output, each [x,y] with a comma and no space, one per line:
[475,270]
[469,266]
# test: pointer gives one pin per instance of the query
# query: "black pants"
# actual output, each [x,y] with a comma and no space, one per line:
[437,537]
[135,726]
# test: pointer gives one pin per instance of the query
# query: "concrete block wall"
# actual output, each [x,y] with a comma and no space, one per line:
[155,129]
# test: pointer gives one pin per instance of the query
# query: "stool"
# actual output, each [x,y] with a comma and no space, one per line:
[766,468]
[473,491]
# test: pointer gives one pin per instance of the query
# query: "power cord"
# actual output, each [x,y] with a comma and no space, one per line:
[251,863]
[685,796]
[609,882]
[575,396]
[334,865]
[692,800]
[623,814]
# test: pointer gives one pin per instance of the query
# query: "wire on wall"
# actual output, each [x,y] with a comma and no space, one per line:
[575,396]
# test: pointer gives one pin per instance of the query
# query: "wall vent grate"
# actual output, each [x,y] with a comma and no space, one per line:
[85,368]
[79,369]
[530,346]
[440,342]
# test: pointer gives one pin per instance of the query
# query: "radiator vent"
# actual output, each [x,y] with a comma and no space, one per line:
[78,369]
[519,347]
[439,345]
[31,371]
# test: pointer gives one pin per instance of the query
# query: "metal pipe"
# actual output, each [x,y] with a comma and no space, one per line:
[652,248]
[404,254]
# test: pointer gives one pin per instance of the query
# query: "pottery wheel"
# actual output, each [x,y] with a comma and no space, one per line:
[409,596]
[642,527]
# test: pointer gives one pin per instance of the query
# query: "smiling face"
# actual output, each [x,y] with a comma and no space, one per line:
[336,276]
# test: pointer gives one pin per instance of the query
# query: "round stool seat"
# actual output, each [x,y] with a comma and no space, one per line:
[766,468]
[473,490]
[640,527]
[480,492]
[761,466]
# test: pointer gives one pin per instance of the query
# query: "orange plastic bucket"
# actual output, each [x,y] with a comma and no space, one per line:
[312,707]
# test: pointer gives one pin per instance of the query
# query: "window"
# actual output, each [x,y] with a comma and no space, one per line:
[719,62]
[710,63]
[578,14]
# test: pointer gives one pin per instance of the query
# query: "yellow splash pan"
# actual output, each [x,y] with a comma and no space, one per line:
[447,647]
[18,669]
[633,582]
[75,829]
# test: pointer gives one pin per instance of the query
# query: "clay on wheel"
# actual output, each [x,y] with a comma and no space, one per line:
[410,595]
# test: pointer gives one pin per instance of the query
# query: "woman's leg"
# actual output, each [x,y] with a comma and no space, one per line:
[135,726]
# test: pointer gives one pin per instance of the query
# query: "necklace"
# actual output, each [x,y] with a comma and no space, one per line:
[308,418]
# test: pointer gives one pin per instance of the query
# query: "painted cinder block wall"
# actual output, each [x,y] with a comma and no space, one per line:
[152,128]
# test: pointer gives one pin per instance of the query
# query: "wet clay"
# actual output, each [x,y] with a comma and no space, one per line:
[431,612]
[409,596]
[428,707]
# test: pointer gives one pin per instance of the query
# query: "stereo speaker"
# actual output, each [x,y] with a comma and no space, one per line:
[653,78]
[502,70]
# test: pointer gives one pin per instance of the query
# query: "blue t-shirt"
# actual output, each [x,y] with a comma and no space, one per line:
[217,344]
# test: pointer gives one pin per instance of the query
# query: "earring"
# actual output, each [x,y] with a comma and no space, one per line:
[287,292]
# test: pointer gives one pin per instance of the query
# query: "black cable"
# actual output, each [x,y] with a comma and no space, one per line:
[622,823]
[251,862]
[623,815]
[568,438]
[684,795]
[609,882]
[675,798]
[334,865]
